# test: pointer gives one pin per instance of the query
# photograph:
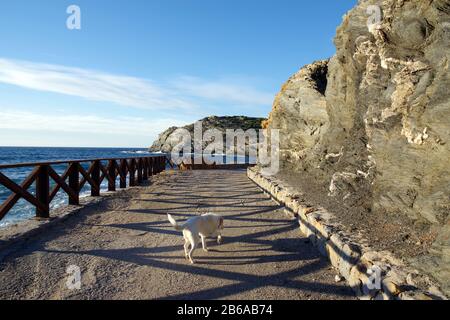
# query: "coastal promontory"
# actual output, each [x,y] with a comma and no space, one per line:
[167,139]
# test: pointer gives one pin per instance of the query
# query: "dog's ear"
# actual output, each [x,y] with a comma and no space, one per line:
[221,223]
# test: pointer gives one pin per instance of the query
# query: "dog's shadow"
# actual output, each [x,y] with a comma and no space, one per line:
[268,251]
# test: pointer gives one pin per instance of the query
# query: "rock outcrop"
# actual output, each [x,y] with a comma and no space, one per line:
[170,138]
[373,123]
[300,109]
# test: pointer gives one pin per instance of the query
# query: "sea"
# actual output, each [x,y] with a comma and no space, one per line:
[10,155]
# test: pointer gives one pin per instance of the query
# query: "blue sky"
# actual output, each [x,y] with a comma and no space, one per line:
[139,66]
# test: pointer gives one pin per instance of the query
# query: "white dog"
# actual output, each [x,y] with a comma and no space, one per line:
[196,228]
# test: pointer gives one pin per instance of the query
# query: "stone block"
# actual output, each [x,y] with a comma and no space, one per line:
[335,248]
[351,255]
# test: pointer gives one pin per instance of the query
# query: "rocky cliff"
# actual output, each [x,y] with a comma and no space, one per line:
[373,122]
[167,140]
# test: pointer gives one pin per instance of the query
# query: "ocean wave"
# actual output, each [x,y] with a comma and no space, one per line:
[137,152]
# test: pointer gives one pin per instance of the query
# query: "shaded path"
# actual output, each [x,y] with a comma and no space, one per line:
[126,249]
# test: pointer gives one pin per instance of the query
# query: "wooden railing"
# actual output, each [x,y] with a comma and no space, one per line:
[136,170]
[194,165]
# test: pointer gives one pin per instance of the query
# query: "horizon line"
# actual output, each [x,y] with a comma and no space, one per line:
[73,147]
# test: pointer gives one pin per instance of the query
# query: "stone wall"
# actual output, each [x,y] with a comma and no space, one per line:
[374,275]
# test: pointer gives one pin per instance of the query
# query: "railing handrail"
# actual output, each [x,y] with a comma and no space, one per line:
[47,163]
[136,169]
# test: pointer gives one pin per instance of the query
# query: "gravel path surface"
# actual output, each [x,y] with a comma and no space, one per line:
[126,249]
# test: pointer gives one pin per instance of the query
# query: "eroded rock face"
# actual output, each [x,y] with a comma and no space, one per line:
[381,130]
[300,111]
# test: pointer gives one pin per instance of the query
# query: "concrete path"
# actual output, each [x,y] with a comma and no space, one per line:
[126,249]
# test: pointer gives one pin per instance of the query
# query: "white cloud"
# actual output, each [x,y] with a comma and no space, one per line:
[89,84]
[221,90]
[187,93]
[70,123]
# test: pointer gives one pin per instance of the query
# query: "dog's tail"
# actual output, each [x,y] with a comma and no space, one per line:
[174,223]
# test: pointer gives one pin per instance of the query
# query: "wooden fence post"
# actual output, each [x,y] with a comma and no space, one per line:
[151,166]
[74,183]
[43,192]
[95,190]
[145,161]
[163,164]
[156,165]
[132,173]
[112,175]
[139,171]
[123,173]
